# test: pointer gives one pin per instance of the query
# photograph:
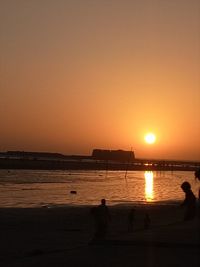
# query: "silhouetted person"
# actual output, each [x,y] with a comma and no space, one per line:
[147,221]
[189,201]
[131,219]
[197,176]
[101,218]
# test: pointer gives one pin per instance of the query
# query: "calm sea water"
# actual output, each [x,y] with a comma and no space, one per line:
[36,188]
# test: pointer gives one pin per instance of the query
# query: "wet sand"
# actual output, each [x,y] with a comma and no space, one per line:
[62,237]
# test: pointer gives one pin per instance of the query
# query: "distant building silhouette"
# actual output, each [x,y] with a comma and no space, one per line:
[30,154]
[115,155]
[41,155]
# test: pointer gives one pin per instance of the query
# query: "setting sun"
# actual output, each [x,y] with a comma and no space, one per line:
[150,138]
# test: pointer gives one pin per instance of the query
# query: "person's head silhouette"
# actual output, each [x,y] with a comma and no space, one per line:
[186,186]
[103,201]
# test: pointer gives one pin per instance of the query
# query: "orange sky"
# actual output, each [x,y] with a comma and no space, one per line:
[84,74]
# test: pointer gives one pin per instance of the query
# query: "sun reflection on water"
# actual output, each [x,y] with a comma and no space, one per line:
[149,194]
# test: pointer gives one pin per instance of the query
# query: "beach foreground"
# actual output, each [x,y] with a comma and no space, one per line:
[62,237]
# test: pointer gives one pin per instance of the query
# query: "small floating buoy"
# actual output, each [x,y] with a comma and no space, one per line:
[73,192]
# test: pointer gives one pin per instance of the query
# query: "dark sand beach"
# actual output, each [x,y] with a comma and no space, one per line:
[62,237]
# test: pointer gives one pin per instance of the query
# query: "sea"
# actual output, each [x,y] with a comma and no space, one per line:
[44,188]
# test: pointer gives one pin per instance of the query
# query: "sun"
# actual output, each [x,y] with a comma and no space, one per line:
[150,138]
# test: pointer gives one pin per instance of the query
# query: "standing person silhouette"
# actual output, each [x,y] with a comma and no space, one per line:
[189,201]
[102,217]
[197,176]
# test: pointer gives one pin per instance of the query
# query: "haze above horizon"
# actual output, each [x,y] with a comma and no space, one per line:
[76,75]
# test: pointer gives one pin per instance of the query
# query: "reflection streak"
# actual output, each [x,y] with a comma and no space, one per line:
[149,185]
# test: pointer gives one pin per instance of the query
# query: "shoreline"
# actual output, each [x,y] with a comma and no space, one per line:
[125,204]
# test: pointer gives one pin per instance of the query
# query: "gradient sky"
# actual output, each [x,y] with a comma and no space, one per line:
[82,74]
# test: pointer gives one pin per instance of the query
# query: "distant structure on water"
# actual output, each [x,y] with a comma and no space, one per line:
[32,155]
[97,154]
[115,155]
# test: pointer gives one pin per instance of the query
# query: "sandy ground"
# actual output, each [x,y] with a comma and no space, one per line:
[62,237]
